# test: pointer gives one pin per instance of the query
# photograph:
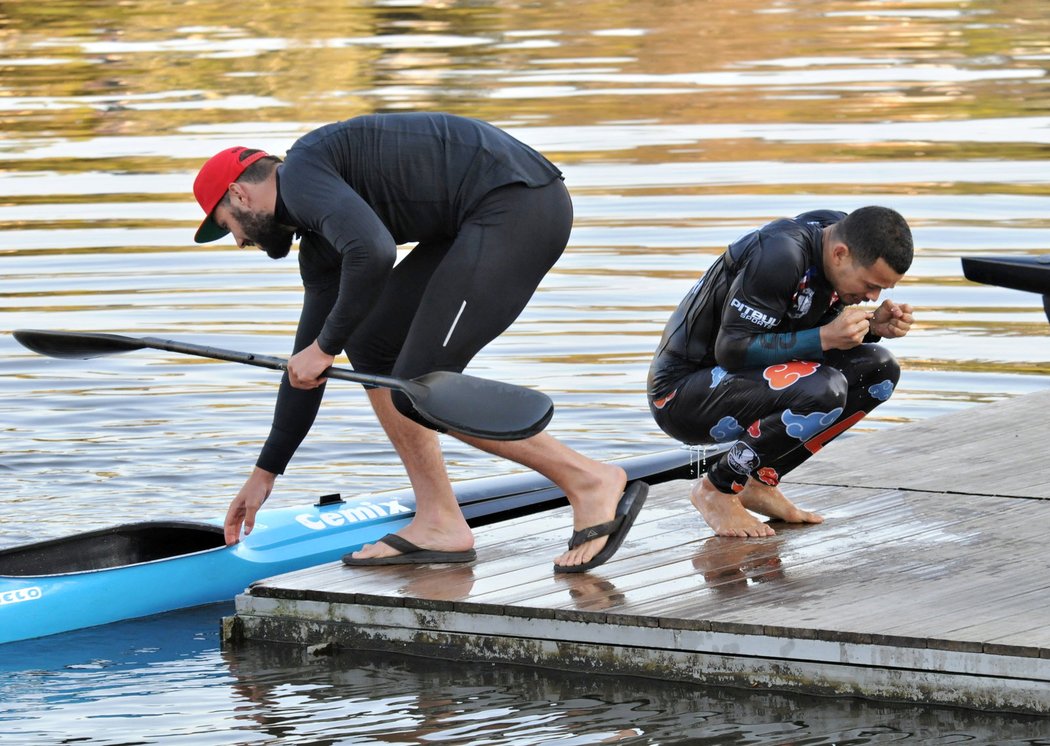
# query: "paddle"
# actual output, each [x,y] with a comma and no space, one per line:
[449,401]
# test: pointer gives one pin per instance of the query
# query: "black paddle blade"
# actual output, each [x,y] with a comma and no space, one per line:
[75,344]
[479,407]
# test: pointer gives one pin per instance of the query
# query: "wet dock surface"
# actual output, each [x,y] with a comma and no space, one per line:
[928,582]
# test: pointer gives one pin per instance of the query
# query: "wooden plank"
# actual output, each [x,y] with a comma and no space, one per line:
[985,449]
[827,547]
[1025,626]
[853,591]
[643,567]
[648,539]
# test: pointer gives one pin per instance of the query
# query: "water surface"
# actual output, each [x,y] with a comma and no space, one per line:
[679,125]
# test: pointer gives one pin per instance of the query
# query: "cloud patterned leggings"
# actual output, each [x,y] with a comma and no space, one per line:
[778,416]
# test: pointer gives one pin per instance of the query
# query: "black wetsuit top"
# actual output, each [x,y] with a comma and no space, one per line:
[356,189]
[762,302]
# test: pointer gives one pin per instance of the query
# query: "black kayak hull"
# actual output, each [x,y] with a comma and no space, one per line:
[1027,273]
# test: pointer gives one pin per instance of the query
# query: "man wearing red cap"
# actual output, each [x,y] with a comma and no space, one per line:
[489,217]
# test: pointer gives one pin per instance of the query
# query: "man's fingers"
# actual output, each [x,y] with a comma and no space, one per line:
[249,520]
[232,530]
[302,382]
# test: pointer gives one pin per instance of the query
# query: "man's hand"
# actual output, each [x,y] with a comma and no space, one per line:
[247,503]
[891,320]
[306,366]
[845,331]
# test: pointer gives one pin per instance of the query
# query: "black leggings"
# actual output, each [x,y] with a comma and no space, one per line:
[779,416]
[447,299]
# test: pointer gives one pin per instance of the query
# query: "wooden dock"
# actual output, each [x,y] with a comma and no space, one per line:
[929,581]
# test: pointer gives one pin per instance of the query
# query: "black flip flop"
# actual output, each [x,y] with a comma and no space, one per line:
[626,511]
[410,555]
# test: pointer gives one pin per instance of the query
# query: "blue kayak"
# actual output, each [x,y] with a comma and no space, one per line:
[139,569]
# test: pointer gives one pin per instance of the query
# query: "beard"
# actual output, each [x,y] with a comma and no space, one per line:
[264,231]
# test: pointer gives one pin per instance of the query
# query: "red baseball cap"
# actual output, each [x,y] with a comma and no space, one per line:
[214,179]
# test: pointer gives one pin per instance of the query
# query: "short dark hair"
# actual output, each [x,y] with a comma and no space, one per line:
[254,174]
[259,170]
[875,232]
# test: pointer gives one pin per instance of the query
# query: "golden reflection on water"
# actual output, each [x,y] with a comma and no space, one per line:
[145,67]
[680,125]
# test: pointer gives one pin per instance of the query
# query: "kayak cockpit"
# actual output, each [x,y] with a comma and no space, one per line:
[119,546]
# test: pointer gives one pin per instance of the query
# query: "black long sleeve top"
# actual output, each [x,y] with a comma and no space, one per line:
[356,190]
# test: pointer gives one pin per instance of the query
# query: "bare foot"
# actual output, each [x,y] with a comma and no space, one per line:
[724,512]
[770,501]
[455,537]
[593,504]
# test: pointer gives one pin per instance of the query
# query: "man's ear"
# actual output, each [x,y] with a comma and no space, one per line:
[840,251]
[238,195]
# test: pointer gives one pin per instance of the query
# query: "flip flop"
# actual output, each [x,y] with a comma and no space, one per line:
[410,555]
[626,511]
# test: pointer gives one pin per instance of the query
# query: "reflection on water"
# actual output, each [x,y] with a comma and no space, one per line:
[730,567]
[164,680]
[679,125]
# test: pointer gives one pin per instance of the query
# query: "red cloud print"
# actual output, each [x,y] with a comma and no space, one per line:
[783,375]
[769,475]
[663,400]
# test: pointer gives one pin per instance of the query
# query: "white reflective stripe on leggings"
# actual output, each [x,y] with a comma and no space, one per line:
[453,327]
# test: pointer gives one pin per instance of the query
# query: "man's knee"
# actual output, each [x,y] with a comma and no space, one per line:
[824,391]
[883,362]
[368,356]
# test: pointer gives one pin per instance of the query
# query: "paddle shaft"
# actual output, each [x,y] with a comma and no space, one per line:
[265,361]
[450,402]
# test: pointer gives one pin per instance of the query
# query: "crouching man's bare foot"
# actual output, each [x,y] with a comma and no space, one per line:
[771,502]
[724,511]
